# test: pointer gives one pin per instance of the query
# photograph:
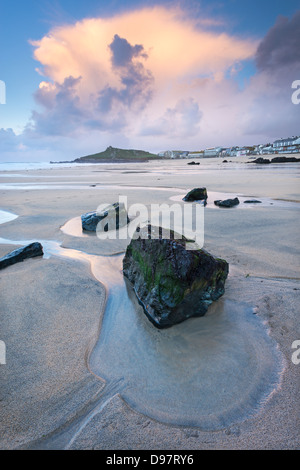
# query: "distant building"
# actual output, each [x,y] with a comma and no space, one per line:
[256,150]
[242,151]
[288,145]
[166,154]
[232,152]
[196,154]
[226,152]
[284,142]
[213,152]
[267,149]
[174,154]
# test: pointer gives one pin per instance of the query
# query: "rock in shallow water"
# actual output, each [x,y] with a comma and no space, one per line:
[196,194]
[261,161]
[112,218]
[171,282]
[227,202]
[29,251]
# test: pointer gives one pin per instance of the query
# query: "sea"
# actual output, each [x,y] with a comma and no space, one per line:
[20,166]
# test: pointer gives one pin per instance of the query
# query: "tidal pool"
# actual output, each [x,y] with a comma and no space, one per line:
[6,216]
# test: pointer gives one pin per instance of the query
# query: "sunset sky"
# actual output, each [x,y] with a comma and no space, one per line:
[151,75]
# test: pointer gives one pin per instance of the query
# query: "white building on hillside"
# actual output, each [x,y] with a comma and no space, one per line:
[213,152]
[288,145]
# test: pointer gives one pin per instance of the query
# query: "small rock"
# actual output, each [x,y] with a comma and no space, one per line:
[227,202]
[29,251]
[115,216]
[196,194]
[252,201]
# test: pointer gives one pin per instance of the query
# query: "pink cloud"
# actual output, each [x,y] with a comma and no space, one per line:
[143,61]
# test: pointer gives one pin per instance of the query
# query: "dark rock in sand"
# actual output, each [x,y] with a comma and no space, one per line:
[112,218]
[29,251]
[171,282]
[285,160]
[262,161]
[225,161]
[196,194]
[193,163]
[252,201]
[227,202]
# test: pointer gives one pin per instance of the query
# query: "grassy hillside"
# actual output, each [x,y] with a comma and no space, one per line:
[112,154]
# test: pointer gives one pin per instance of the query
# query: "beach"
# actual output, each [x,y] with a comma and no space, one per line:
[69,321]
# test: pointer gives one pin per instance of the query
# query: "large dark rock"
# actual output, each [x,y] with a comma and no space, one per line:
[29,251]
[113,217]
[227,202]
[193,163]
[285,160]
[171,282]
[196,194]
[260,160]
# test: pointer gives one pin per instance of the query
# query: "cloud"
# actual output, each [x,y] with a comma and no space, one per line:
[137,82]
[279,50]
[123,53]
[8,140]
[62,113]
[270,110]
[181,121]
[174,46]
[103,73]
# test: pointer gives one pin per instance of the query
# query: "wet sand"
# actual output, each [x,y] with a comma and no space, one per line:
[63,386]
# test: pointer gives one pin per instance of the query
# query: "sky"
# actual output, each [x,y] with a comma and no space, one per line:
[151,75]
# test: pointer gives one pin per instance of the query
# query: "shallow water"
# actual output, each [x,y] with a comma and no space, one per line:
[6,217]
[264,201]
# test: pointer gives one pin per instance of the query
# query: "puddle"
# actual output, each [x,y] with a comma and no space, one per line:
[73,227]
[7,217]
[88,186]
